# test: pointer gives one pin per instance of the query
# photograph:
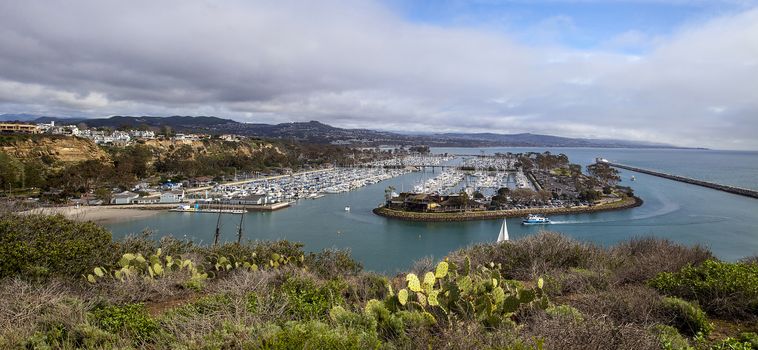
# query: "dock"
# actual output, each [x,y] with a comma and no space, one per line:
[712,185]
[248,207]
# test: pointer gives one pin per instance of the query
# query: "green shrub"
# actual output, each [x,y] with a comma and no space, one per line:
[131,319]
[263,251]
[732,344]
[348,319]
[723,289]
[206,305]
[41,246]
[90,337]
[229,335]
[687,318]
[366,286]
[566,312]
[319,335]
[333,263]
[749,337]
[670,338]
[308,300]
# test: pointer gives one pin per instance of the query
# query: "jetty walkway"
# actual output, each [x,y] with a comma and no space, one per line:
[726,188]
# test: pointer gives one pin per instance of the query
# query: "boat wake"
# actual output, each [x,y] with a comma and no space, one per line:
[667,208]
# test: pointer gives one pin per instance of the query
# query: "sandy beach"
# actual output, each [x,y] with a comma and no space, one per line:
[101,214]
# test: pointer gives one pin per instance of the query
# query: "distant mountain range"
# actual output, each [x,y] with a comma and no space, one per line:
[317,132]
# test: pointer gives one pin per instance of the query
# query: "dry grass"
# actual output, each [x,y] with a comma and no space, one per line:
[596,333]
[26,308]
[170,286]
[640,305]
[463,336]
[533,256]
[641,259]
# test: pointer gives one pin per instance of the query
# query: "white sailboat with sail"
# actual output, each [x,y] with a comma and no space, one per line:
[503,235]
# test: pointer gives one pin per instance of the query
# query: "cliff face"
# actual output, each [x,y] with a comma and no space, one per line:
[186,149]
[53,150]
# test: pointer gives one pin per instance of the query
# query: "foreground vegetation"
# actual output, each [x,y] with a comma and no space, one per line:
[66,285]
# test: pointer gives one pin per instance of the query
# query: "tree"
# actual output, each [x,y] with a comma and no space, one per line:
[589,195]
[11,171]
[461,199]
[544,196]
[575,170]
[604,173]
[388,193]
[523,195]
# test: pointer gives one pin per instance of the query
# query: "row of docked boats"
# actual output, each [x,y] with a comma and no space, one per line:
[310,185]
[413,161]
[490,163]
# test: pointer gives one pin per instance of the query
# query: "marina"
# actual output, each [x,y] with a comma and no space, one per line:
[672,210]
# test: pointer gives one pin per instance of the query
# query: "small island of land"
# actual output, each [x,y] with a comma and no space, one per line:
[510,185]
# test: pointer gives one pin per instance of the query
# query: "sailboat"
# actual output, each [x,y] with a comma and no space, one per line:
[503,236]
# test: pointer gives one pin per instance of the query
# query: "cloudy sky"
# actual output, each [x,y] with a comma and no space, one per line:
[676,71]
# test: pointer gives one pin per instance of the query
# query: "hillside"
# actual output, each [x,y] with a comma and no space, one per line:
[66,285]
[61,167]
[317,132]
[52,150]
[528,139]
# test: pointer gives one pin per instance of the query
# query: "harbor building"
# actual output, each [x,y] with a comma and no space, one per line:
[173,196]
[125,197]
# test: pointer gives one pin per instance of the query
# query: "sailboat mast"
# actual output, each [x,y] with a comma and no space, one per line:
[239,234]
[218,230]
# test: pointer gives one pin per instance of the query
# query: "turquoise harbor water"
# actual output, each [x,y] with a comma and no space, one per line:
[726,223]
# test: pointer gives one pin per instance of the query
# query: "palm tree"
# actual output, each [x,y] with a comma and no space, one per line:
[388,193]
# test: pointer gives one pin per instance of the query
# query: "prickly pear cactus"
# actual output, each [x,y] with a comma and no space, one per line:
[470,293]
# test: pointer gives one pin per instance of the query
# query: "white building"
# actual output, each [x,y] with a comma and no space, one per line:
[142,134]
[173,196]
[125,197]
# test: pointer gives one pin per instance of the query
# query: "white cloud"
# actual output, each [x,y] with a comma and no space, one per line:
[362,65]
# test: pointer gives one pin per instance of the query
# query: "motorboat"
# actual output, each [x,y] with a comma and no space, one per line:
[534,219]
[347,208]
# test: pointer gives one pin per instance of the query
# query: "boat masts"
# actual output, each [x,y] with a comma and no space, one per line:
[239,233]
[218,229]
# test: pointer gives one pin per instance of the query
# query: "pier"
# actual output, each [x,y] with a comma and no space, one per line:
[712,185]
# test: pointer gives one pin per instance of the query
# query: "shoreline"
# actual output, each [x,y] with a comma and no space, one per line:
[626,203]
[99,214]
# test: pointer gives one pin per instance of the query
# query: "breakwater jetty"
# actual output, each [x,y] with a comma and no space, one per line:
[726,188]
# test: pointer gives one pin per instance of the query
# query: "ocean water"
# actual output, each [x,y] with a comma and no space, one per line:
[723,222]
